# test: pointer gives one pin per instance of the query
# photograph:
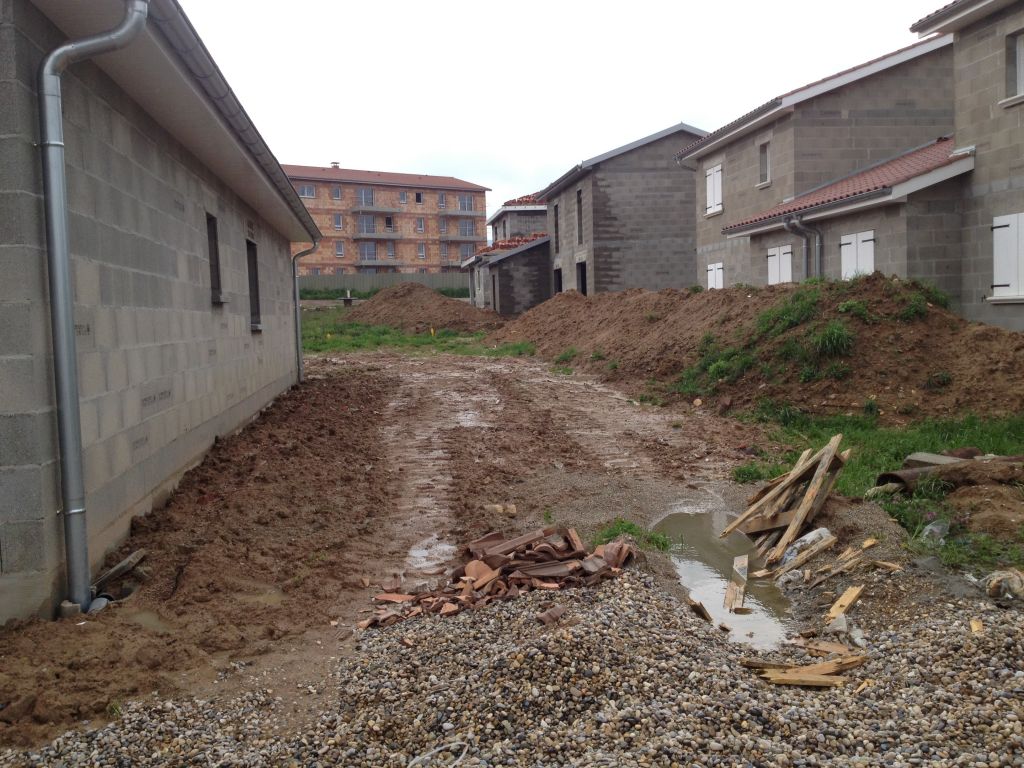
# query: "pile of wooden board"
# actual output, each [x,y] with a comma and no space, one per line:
[502,569]
[821,675]
[780,511]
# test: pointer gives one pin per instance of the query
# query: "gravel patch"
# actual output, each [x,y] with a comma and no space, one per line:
[629,677]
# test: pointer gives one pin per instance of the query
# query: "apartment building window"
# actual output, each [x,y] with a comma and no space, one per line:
[467,228]
[780,265]
[213,252]
[339,270]
[421,224]
[579,217]
[444,251]
[367,224]
[1015,65]
[306,190]
[391,249]
[314,271]
[339,221]
[465,202]
[716,276]
[252,263]
[764,163]
[442,225]
[339,248]
[368,251]
[557,237]
[466,250]
[419,198]
[403,197]
[336,193]
[857,254]
[442,200]
[421,250]
[365,196]
[1008,256]
[389,224]
[713,177]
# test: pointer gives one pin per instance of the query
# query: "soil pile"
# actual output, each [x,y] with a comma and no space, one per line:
[879,342]
[416,309]
[257,545]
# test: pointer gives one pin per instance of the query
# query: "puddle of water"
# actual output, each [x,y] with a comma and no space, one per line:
[704,564]
[429,554]
[149,620]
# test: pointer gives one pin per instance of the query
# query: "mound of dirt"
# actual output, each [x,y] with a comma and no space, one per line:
[416,309]
[911,357]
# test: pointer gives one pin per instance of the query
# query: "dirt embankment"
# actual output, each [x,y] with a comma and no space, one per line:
[416,309]
[257,545]
[912,357]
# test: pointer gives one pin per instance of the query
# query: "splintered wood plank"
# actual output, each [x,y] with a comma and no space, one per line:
[737,588]
[818,482]
[812,551]
[836,568]
[845,602]
[768,542]
[751,663]
[831,667]
[796,475]
[760,523]
[821,647]
[698,608]
[891,567]
[761,493]
[779,677]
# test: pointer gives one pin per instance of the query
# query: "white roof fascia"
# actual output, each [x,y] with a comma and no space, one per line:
[965,16]
[897,194]
[641,142]
[510,208]
[789,102]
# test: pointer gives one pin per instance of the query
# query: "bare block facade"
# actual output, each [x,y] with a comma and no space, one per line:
[389,222]
[180,266]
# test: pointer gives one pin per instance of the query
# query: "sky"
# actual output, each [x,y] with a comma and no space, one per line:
[512,95]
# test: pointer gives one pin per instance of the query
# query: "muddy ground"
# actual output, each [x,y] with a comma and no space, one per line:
[375,467]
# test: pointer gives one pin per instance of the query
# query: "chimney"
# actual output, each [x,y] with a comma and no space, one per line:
[335,164]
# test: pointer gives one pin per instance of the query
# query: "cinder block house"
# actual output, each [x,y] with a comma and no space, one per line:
[988,55]
[624,219]
[375,221]
[811,151]
[522,217]
[162,315]
[511,276]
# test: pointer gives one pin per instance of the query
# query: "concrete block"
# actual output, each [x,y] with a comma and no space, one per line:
[22,383]
[27,438]
[22,547]
[21,497]
[16,330]
[21,219]
[92,375]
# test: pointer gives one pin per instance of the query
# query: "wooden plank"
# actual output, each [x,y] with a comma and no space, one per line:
[751,663]
[809,499]
[796,475]
[779,677]
[760,524]
[737,588]
[845,602]
[892,567]
[837,568]
[821,647]
[812,551]
[841,664]
[768,542]
[123,567]
[763,491]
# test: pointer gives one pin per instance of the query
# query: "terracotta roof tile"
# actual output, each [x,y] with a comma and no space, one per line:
[912,164]
[316,173]
[532,199]
[510,243]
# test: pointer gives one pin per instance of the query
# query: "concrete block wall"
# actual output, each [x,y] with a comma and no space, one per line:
[996,185]
[524,280]
[935,237]
[162,369]
[569,251]
[519,224]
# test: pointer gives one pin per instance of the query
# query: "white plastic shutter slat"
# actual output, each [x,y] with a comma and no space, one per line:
[786,264]
[1006,256]
[773,266]
[711,276]
[718,190]
[847,257]
[710,190]
[865,252]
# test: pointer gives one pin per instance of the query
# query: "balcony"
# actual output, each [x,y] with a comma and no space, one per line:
[378,262]
[457,212]
[457,238]
[360,208]
[384,233]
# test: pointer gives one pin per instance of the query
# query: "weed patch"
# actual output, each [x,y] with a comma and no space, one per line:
[833,340]
[566,356]
[800,307]
[937,381]
[915,309]
[646,539]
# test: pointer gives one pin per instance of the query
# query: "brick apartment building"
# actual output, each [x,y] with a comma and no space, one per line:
[389,222]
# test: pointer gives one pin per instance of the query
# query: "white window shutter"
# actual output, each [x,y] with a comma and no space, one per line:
[711,276]
[847,256]
[773,266]
[719,275]
[1006,256]
[786,264]
[710,178]
[718,189]
[865,252]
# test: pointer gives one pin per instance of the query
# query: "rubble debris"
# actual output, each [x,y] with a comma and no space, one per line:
[977,627]
[845,602]
[1008,583]
[501,569]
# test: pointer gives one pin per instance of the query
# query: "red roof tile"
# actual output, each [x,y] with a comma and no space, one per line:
[512,242]
[316,173]
[524,200]
[880,177]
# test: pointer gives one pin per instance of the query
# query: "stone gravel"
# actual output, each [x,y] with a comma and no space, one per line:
[629,677]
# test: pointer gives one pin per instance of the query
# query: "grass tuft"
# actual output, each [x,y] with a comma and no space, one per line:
[645,538]
[800,307]
[833,340]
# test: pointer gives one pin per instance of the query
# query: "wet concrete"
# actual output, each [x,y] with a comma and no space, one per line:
[704,564]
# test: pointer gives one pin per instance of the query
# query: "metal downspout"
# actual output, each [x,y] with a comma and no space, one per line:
[794,229]
[300,368]
[62,311]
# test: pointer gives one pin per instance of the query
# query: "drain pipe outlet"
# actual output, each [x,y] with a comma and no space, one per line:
[300,368]
[62,312]
[793,227]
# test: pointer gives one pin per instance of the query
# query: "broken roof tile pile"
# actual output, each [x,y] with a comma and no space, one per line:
[531,199]
[882,176]
[502,569]
[512,242]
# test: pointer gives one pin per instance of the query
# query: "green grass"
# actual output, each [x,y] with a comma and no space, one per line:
[714,365]
[563,370]
[799,308]
[597,354]
[833,340]
[650,399]
[566,356]
[340,293]
[858,309]
[931,293]
[915,309]
[938,380]
[330,332]
[755,471]
[646,539]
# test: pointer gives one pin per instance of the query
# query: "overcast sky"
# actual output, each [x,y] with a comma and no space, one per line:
[510,95]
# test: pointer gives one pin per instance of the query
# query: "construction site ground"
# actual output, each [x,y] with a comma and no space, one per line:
[382,464]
